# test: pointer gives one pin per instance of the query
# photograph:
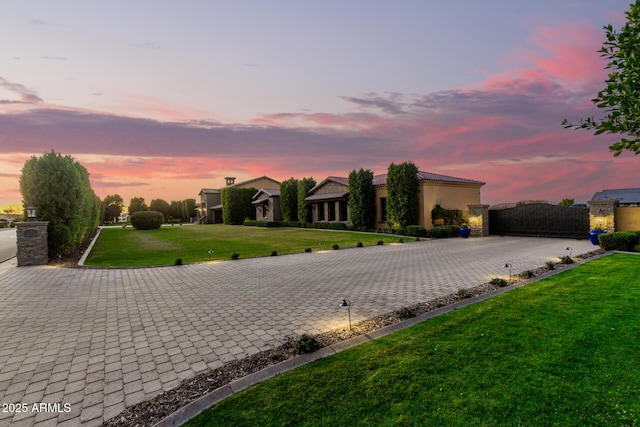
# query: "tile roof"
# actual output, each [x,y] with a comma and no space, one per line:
[327,196]
[338,179]
[272,192]
[428,176]
[623,195]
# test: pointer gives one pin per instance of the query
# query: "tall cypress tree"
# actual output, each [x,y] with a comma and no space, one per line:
[402,195]
[362,212]
[304,185]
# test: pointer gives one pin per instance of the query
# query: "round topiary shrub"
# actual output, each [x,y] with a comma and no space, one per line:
[307,250]
[380,243]
[147,220]
[335,247]
[359,244]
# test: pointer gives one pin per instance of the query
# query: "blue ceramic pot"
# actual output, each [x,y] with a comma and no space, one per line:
[465,232]
[594,236]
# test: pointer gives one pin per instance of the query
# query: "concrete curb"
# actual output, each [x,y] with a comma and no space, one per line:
[88,251]
[196,407]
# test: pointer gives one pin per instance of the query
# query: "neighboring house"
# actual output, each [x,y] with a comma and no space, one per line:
[623,212]
[329,199]
[124,218]
[626,197]
[267,204]
[210,207]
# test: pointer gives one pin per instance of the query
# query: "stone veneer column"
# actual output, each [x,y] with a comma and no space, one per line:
[602,214]
[479,220]
[32,243]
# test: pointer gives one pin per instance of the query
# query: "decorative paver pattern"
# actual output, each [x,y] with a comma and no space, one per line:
[100,340]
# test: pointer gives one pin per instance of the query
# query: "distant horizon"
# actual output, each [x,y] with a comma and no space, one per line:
[161,105]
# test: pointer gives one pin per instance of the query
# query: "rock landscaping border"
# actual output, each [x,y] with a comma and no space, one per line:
[161,407]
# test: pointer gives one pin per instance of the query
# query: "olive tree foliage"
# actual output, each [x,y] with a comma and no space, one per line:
[236,205]
[188,209]
[567,202]
[162,206]
[137,204]
[304,185]
[362,199]
[402,195]
[112,206]
[59,187]
[620,99]
[289,199]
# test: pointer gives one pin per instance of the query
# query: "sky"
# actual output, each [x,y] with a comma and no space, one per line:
[158,99]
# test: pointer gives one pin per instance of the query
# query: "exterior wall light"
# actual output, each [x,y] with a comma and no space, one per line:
[32,213]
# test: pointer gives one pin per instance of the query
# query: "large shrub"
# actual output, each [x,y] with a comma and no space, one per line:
[402,195]
[59,187]
[147,220]
[304,185]
[289,199]
[621,241]
[448,216]
[362,199]
[236,205]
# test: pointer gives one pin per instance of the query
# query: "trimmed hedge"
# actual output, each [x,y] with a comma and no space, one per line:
[256,223]
[415,231]
[147,220]
[620,241]
[444,231]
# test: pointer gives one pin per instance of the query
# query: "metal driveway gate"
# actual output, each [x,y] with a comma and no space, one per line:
[541,220]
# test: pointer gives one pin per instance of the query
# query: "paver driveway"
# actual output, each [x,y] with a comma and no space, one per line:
[99,340]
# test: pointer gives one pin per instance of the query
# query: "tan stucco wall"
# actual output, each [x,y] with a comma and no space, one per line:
[627,219]
[449,196]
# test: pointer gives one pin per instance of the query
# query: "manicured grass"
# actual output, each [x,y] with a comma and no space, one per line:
[130,247]
[564,351]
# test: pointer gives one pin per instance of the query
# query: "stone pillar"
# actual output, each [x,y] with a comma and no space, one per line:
[32,243]
[602,215]
[479,220]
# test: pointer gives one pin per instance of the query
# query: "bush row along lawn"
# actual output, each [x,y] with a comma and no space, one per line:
[129,247]
[563,351]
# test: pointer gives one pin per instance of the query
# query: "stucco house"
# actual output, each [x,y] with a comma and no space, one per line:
[329,199]
[210,207]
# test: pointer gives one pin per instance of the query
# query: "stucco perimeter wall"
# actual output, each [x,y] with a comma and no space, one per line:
[627,218]
[447,195]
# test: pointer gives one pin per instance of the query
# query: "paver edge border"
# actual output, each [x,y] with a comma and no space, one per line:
[196,407]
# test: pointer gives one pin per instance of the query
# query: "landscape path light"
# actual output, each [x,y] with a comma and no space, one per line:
[507,265]
[569,248]
[346,303]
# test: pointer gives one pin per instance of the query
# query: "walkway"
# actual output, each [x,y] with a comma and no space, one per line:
[101,340]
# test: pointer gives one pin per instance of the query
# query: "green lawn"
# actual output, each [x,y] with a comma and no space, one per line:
[564,351]
[130,247]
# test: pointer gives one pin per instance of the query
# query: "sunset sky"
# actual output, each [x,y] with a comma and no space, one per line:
[159,99]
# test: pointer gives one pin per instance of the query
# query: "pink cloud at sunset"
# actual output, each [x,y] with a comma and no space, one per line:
[503,130]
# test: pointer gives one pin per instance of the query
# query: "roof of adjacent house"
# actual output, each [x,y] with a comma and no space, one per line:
[428,176]
[237,184]
[382,180]
[209,191]
[623,195]
[327,196]
[271,192]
